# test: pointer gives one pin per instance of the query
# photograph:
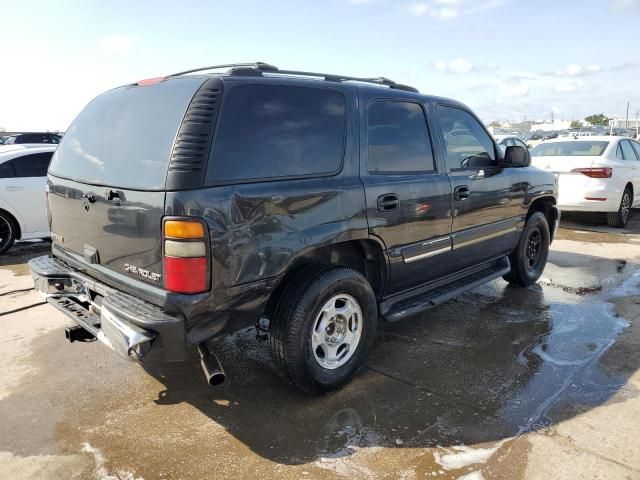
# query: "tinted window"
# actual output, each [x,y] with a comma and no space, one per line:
[627,150]
[271,131]
[572,148]
[468,144]
[619,153]
[124,137]
[6,169]
[636,147]
[34,165]
[32,138]
[398,138]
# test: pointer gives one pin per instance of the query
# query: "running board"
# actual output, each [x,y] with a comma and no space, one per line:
[407,305]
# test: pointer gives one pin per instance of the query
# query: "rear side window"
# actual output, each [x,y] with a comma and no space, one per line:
[6,169]
[124,137]
[34,165]
[398,138]
[468,145]
[276,131]
[627,150]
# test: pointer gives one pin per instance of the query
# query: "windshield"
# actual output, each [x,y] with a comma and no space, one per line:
[580,148]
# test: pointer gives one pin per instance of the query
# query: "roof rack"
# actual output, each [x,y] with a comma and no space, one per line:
[259,68]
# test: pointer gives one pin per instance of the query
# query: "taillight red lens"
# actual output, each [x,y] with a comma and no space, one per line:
[185,256]
[185,275]
[603,172]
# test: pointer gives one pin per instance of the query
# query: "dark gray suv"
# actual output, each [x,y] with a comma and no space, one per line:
[186,207]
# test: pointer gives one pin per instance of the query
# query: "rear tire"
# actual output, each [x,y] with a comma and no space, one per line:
[530,256]
[620,218]
[7,232]
[325,308]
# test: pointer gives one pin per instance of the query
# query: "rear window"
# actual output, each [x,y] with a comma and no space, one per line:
[277,131]
[124,137]
[577,148]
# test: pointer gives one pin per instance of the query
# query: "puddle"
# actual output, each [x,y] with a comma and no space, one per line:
[442,395]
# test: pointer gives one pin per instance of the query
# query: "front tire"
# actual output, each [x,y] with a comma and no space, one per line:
[530,256]
[620,218]
[7,232]
[322,328]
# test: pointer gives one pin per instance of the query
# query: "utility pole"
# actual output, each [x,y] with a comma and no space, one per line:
[626,123]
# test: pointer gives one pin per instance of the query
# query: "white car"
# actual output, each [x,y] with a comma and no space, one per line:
[23,178]
[595,174]
[505,141]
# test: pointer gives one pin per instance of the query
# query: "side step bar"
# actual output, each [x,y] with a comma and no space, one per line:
[412,303]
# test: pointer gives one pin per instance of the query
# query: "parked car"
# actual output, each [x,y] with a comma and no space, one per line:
[505,141]
[310,204]
[596,174]
[23,176]
[18,138]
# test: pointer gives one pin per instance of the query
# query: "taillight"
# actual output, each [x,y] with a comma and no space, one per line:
[185,256]
[600,172]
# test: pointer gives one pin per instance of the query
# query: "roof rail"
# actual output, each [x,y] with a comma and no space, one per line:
[261,67]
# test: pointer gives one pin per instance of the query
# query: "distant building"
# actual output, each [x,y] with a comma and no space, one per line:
[622,123]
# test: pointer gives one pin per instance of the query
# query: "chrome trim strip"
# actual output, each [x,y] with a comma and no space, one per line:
[483,238]
[427,254]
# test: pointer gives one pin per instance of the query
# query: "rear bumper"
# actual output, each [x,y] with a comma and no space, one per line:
[124,323]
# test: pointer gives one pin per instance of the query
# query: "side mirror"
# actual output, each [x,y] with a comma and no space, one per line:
[517,156]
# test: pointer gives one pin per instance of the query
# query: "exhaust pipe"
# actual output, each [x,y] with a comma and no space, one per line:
[212,370]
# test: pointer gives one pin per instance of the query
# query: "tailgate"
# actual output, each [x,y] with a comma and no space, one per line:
[114,228]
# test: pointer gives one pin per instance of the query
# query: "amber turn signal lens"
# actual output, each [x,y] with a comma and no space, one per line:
[183,229]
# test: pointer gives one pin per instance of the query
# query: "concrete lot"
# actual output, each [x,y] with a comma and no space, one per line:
[509,383]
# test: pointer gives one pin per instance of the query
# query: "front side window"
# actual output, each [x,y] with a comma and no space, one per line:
[398,138]
[276,131]
[34,165]
[468,145]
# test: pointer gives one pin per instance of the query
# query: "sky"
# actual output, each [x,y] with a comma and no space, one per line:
[509,60]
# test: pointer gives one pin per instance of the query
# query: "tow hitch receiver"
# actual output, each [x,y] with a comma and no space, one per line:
[78,334]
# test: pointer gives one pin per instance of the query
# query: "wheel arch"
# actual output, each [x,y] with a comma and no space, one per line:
[363,255]
[547,206]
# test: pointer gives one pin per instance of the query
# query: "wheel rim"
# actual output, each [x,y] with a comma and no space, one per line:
[336,331]
[5,232]
[625,207]
[534,248]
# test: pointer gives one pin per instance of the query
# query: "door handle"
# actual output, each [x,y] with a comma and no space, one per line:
[461,192]
[388,202]
[13,188]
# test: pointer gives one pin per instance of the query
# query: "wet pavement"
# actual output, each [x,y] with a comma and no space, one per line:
[501,382]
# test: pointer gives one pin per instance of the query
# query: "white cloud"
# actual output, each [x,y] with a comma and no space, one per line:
[449,9]
[576,70]
[514,89]
[419,9]
[567,87]
[116,43]
[458,65]
[622,5]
